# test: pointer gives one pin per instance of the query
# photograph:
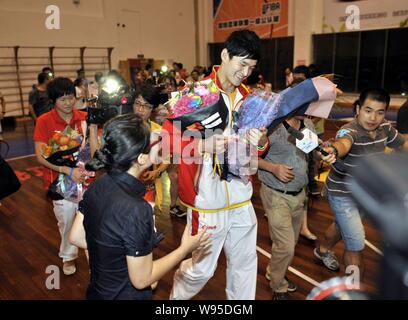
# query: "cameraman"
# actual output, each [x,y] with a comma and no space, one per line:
[109,103]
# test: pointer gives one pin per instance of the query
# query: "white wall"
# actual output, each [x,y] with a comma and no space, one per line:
[306,19]
[166,29]
[166,26]
[205,30]
[159,29]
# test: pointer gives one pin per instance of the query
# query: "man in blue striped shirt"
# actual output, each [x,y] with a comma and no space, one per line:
[366,135]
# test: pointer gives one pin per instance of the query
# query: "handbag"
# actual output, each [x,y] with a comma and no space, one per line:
[9,182]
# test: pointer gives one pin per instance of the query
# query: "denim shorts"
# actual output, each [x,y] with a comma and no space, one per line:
[348,222]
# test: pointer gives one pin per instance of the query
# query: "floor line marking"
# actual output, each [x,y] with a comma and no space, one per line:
[291,269]
[371,246]
[22,157]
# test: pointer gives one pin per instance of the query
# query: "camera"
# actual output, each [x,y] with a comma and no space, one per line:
[115,98]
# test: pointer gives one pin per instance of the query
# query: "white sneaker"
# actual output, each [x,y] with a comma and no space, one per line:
[69,268]
[154,286]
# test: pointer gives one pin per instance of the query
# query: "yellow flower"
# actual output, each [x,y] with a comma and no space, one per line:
[214,89]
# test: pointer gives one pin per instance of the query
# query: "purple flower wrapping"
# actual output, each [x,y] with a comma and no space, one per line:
[259,109]
[67,188]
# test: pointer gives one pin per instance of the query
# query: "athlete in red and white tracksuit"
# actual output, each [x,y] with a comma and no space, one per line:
[226,209]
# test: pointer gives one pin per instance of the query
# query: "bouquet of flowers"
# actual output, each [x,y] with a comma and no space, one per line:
[259,109]
[265,109]
[313,97]
[199,106]
[68,148]
[62,147]
[193,97]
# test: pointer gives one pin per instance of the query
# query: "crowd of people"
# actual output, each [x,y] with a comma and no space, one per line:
[114,221]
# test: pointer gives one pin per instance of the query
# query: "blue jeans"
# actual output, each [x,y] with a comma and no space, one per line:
[348,222]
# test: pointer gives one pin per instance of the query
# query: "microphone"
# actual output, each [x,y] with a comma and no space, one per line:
[309,144]
[306,140]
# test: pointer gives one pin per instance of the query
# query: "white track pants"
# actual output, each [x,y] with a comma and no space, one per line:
[65,212]
[234,230]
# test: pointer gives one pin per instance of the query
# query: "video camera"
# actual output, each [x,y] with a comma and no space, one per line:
[115,98]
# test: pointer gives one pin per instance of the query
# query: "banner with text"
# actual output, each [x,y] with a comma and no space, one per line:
[268,18]
[364,15]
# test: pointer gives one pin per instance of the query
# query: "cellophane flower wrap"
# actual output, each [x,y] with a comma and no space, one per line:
[71,190]
[259,109]
[313,97]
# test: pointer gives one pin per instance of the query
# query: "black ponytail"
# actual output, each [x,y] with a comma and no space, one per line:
[102,159]
[124,138]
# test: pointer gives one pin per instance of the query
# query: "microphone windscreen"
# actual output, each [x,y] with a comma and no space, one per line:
[296,133]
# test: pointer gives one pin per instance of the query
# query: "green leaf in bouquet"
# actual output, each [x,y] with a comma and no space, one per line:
[52,143]
[68,130]
[191,88]
[55,147]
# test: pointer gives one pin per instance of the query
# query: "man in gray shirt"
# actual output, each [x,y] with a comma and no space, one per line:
[38,101]
[283,173]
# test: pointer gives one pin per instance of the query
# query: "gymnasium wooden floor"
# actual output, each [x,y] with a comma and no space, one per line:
[29,242]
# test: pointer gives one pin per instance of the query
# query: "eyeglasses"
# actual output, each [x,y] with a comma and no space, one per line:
[142,105]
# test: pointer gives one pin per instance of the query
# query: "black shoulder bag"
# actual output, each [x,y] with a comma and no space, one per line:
[9,182]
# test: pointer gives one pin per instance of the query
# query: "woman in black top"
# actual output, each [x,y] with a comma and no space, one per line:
[115,223]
